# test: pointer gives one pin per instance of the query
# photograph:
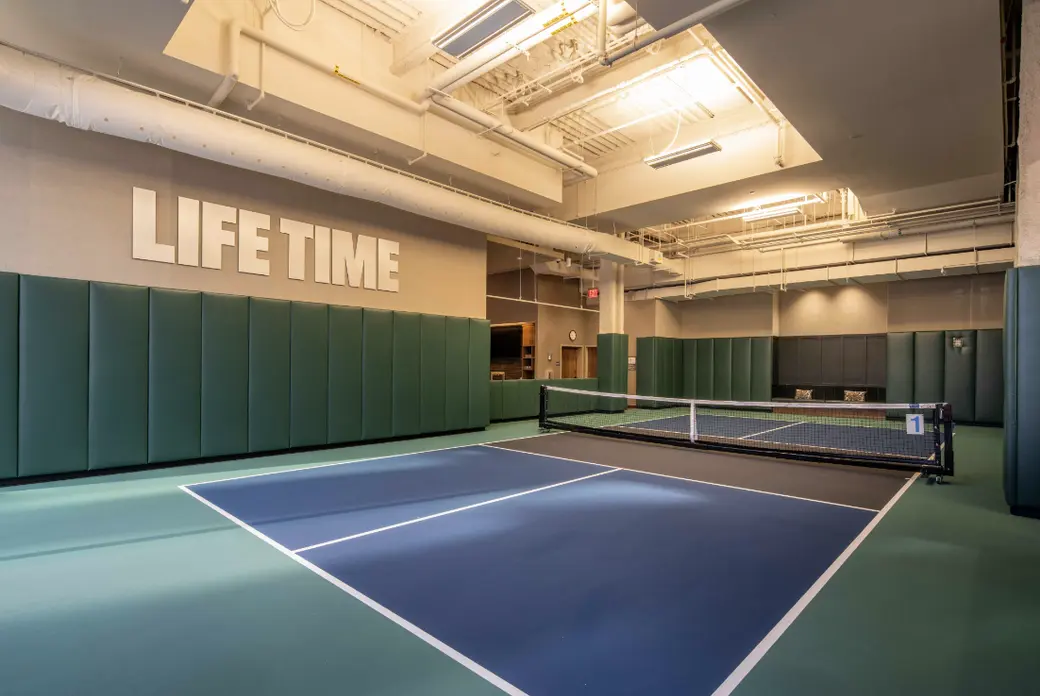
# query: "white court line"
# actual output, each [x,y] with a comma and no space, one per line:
[368,601]
[749,662]
[789,425]
[688,480]
[448,512]
[363,459]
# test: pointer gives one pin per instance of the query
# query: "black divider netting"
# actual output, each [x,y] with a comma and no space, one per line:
[912,435]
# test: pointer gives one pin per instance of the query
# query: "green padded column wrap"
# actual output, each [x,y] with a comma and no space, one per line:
[705,368]
[741,369]
[53,369]
[899,358]
[479,372]
[174,375]
[959,376]
[309,374]
[8,375]
[268,375]
[344,374]
[377,377]
[118,413]
[689,376]
[612,355]
[432,371]
[989,377]
[1011,288]
[761,368]
[225,375]
[723,386]
[929,366]
[1022,465]
[407,373]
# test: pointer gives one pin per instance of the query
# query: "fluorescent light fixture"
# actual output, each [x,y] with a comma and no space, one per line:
[480,26]
[769,213]
[667,159]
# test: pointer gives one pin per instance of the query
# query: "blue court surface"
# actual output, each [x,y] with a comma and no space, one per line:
[882,439]
[550,576]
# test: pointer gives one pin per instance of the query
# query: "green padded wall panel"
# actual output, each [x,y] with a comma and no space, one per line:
[723,384]
[269,389]
[899,360]
[377,377]
[959,376]
[407,374]
[496,400]
[676,385]
[741,369]
[512,407]
[8,375]
[344,374]
[761,368]
[929,360]
[53,385]
[456,376]
[662,366]
[174,375]
[989,376]
[689,373]
[479,372]
[308,374]
[225,375]
[612,355]
[528,395]
[432,372]
[646,368]
[118,413]
[705,368]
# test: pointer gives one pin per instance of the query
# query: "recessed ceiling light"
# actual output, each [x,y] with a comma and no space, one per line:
[666,159]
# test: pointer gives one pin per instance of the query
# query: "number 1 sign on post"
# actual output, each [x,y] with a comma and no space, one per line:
[915,424]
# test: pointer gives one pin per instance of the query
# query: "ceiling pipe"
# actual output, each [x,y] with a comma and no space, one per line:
[48,90]
[492,124]
[711,11]
[620,87]
[235,30]
[898,232]
[601,30]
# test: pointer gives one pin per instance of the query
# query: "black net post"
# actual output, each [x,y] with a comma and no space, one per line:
[947,417]
[543,410]
[937,434]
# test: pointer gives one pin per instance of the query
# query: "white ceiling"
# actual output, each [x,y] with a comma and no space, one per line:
[895,96]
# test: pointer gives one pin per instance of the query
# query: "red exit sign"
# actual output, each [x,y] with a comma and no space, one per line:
[593,293]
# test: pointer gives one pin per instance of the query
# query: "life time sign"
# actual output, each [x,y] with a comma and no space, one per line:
[340,258]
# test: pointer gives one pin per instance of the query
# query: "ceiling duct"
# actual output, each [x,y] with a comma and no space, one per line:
[48,90]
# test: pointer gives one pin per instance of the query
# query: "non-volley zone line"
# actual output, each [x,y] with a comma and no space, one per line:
[451,512]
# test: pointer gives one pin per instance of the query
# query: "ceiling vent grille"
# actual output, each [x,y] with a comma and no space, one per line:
[480,26]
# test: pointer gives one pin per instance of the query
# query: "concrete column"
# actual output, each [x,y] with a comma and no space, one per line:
[611,298]
[1028,197]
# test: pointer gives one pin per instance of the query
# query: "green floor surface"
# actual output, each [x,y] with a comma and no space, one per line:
[125,585]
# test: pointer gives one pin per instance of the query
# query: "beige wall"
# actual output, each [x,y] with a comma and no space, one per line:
[729,316]
[511,312]
[846,309]
[519,284]
[553,329]
[66,210]
[959,302]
